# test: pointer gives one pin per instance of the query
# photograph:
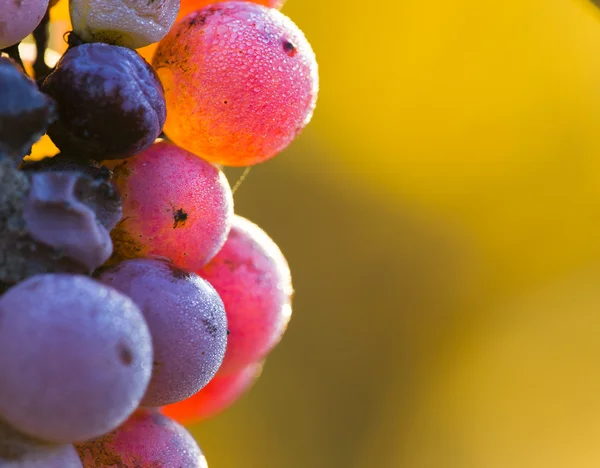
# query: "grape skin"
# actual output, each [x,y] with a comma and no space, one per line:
[187,321]
[240,82]
[19,19]
[253,279]
[128,23]
[75,357]
[220,393]
[146,439]
[175,205]
[110,102]
[20,451]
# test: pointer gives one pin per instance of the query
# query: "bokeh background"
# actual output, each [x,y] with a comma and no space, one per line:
[441,216]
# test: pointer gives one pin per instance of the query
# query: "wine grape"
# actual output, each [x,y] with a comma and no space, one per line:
[187,322]
[19,19]
[20,451]
[253,278]
[110,102]
[175,205]
[146,439]
[128,23]
[240,82]
[75,357]
[25,112]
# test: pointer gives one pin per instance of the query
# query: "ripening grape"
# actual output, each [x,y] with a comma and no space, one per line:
[253,279]
[75,357]
[147,439]
[187,322]
[175,205]
[20,451]
[240,82]
[25,112]
[128,23]
[187,6]
[110,102]
[18,19]
[220,393]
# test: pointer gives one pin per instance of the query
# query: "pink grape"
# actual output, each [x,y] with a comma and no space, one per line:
[253,278]
[220,393]
[175,205]
[147,439]
[187,322]
[240,82]
[75,357]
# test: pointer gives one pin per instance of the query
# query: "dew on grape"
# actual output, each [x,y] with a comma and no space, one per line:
[253,279]
[128,23]
[236,93]
[175,205]
[146,439]
[62,339]
[187,322]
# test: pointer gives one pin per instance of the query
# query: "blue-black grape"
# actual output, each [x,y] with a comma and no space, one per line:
[110,102]
[75,357]
[25,112]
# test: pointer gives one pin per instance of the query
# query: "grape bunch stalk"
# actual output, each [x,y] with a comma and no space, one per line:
[132,298]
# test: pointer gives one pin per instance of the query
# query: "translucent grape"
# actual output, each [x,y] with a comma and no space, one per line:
[75,357]
[253,279]
[147,439]
[110,102]
[128,23]
[240,82]
[175,205]
[20,451]
[19,19]
[187,322]
[188,6]
[221,392]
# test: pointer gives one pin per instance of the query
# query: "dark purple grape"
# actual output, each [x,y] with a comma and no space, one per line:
[187,322]
[147,439]
[110,102]
[19,451]
[75,358]
[25,112]
[54,222]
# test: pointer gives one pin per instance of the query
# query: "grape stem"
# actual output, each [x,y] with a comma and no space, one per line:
[40,35]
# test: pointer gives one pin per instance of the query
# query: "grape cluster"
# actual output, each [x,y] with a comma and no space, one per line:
[132,298]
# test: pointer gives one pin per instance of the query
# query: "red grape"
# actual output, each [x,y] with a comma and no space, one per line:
[187,6]
[220,393]
[146,439]
[240,82]
[253,278]
[175,205]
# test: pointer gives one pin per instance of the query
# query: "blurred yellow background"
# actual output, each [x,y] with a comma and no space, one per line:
[441,216]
